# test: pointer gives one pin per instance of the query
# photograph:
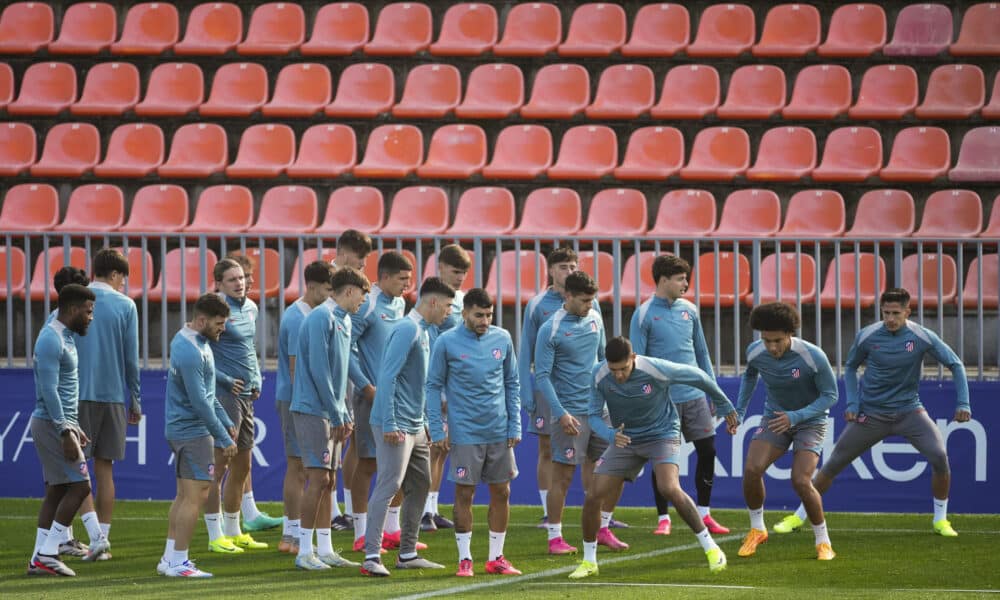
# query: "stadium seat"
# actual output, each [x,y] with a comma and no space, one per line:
[992,110]
[266,150]
[685,214]
[402,29]
[784,154]
[111,89]
[979,33]
[158,208]
[468,29]
[302,90]
[749,213]
[47,88]
[821,92]
[225,209]
[151,28]
[276,28]
[855,30]
[393,151]
[921,30]
[93,208]
[520,152]
[596,29]
[887,92]
[213,28]
[370,268]
[174,90]
[6,85]
[18,148]
[850,154]
[287,209]
[502,282]
[643,286]
[953,92]
[554,212]
[559,92]
[296,284]
[659,31]
[55,260]
[724,31]
[340,29]
[689,92]
[483,212]
[531,29]
[417,210]
[602,268]
[978,156]
[653,153]
[734,279]
[755,92]
[71,149]
[992,228]
[431,92]
[814,214]
[494,91]
[30,207]
[790,30]
[137,261]
[586,152]
[884,214]
[616,213]
[951,214]
[184,282]
[13,278]
[851,295]
[788,288]
[456,152]
[987,285]
[919,154]
[26,27]
[238,90]
[134,150]
[87,28]
[364,91]
[920,278]
[623,92]
[197,150]
[718,154]
[358,207]
[325,151]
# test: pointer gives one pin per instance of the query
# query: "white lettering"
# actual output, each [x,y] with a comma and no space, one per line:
[978,434]
[881,449]
[3,436]
[260,433]
[140,440]
[25,439]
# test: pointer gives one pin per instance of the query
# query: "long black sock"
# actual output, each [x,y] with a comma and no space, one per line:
[704,474]
[661,503]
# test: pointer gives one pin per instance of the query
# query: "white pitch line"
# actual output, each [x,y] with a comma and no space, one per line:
[671,585]
[946,591]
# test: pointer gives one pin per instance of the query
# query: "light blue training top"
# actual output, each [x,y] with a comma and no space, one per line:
[672,331]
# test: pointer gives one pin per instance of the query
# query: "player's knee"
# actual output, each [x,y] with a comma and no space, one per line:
[705,449]
[939,464]
[802,484]
[752,471]
[545,452]
[500,493]
[80,488]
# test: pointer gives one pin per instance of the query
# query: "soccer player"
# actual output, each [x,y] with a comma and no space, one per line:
[667,326]
[194,422]
[238,381]
[474,366]
[398,425]
[319,410]
[317,278]
[633,391]
[56,430]
[453,264]
[800,391]
[887,403]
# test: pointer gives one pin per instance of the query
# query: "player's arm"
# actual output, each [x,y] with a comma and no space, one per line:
[856,356]
[545,350]
[47,352]
[130,345]
[191,369]
[602,341]
[947,357]
[512,392]
[358,326]
[595,411]
[747,384]
[701,354]
[256,379]
[826,383]
[695,377]
[397,349]
[638,333]
[320,357]
[437,375]
[525,357]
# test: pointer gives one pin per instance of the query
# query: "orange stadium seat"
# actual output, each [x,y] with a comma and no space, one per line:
[653,153]
[150,28]
[734,279]
[531,29]
[71,149]
[6,85]
[559,92]
[953,92]
[790,30]
[992,228]
[494,91]
[287,209]
[393,151]
[456,152]
[13,278]
[855,30]
[417,210]
[659,31]
[431,92]
[325,151]
[184,282]
[643,286]
[94,207]
[358,207]
[850,154]
[47,88]
[987,285]
[977,158]
[749,213]
[921,30]
[26,27]
[276,28]
[821,92]
[402,29]
[788,289]
[158,208]
[616,213]
[596,29]
[468,29]
[887,92]
[174,90]
[271,280]
[718,154]
[483,212]
[520,152]
[340,29]
[225,209]
[197,150]
[602,268]
[111,89]
[755,92]
[137,261]
[87,28]
[266,150]
[40,284]
[918,154]
[884,214]
[951,214]
[213,28]
[302,90]
[724,31]
[586,152]
[364,91]
[920,278]
[30,207]
[296,286]
[502,282]
[992,110]
[689,92]
[18,148]
[814,214]
[980,32]
[134,150]
[238,90]
[623,92]
[851,295]
[685,214]
[553,212]
[784,154]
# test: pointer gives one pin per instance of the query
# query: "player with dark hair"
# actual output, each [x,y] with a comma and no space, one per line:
[353,247]
[67,275]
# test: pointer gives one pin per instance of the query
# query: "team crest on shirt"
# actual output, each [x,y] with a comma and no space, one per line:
[796,373]
[211,469]
[759,431]
[593,325]
[461,472]
[83,468]
[600,461]
[539,422]
[908,346]
[497,354]
[569,453]
[383,316]
[647,389]
[686,315]
[326,457]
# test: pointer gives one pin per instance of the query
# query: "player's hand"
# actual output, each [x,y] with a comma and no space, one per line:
[780,423]
[71,450]
[442,444]
[961,416]
[232,432]
[229,451]
[134,416]
[394,438]
[732,423]
[850,416]
[348,430]
[368,393]
[338,433]
[254,394]
[84,440]
[570,425]
[238,386]
[513,442]
[621,440]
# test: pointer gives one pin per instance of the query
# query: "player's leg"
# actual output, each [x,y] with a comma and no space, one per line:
[392,459]
[765,448]
[217,540]
[347,476]
[232,499]
[462,515]
[663,525]
[698,426]
[361,480]
[539,423]
[498,469]
[191,495]
[317,481]
[669,478]
[293,485]
[596,450]
[561,478]
[108,422]
[428,521]
[803,467]
[415,485]
[918,429]
[602,487]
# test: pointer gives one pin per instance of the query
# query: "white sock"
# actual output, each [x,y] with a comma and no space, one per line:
[293,526]
[544,495]
[231,524]
[464,541]
[392,520]
[213,522]
[92,525]
[555,530]
[286,527]
[757,518]
[437,509]
[68,534]
[822,537]
[305,541]
[168,550]
[496,544]
[940,509]
[705,539]
[702,512]
[106,529]
[431,502]
[605,519]
[590,552]
[334,507]
[324,545]
[360,523]
[664,518]
[40,536]
[348,505]
[800,512]
[53,539]
[178,557]
[249,507]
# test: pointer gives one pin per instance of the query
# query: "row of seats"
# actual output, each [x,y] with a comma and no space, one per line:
[472,29]
[587,152]
[497,91]
[859,277]
[488,212]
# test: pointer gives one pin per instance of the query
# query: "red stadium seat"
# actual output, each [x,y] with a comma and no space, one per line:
[885,214]
[494,91]
[158,208]
[992,228]
[265,150]
[238,90]
[887,92]
[659,31]
[987,285]
[616,213]
[851,295]
[624,92]
[734,280]
[918,154]
[134,150]
[788,289]
[110,89]
[643,286]
[302,90]
[431,92]
[520,152]
[18,148]
[468,29]
[953,92]
[287,209]
[174,90]
[856,30]
[47,88]
[920,278]
[559,92]
[325,151]
[364,91]
[213,28]
[271,273]
[30,207]
[225,209]
[150,28]
[821,92]
[276,28]
[340,29]
[724,31]
[685,214]
[137,261]
[784,154]
[483,212]
[749,213]
[402,29]
[978,156]
[596,29]
[503,281]
[755,92]
[921,30]
[456,152]
[94,207]
[393,151]
[992,110]
[71,149]
[850,154]
[197,150]
[554,212]
[417,210]
[26,27]
[6,85]
[296,286]
[653,153]
[718,154]
[978,36]
[951,214]
[531,29]
[358,207]
[187,282]
[13,278]
[689,92]
[586,152]
[814,214]
[56,259]
[790,30]
[87,28]
[602,268]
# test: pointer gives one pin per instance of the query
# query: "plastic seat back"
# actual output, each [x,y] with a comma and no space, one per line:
[484,211]
[418,210]
[456,152]
[150,28]
[238,90]
[431,91]
[559,92]
[266,150]
[951,214]
[600,266]
[266,272]
[520,152]
[855,30]
[358,207]
[992,110]
[821,92]
[596,29]
[814,214]
[790,30]
[718,154]
[992,227]
[287,209]
[402,29]
[685,214]
[623,92]
[884,214]
[137,261]
[364,91]
[87,28]
[784,154]
[339,29]
[887,92]
[392,151]
[226,209]
[659,31]
[616,213]
[750,213]
[94,207]
[531,29]
[30,207]
[586,152]
[786,279]
[502,281]
[921,30]
[296,285]
[213,28]
[158,208]
[325,151]
[978,35]
[135,150]
[18,148]
[47,88]
[653,153]
[181,276]
[71,149]
[13,277]
[197,150]
[469,29]
[689,92]
[302,90]
[918,154]
[755,92]
[734,279]
[174,89]
[493,91]
[553,211]
[642,285]
[865,293]
[953,92]
[110,89]
[275,28]
[987,283]
[56,259]
[6,85]
[26,27]
[979,156]
[724,30]
[921,273]
[850,154]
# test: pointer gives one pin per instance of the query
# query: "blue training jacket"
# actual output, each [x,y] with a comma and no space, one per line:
[192,408]
[321,364]
[235,352]
[566,351]
[57,387]
[288,345]
[109,353]
[672,331]
[370,328]
[399,394]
